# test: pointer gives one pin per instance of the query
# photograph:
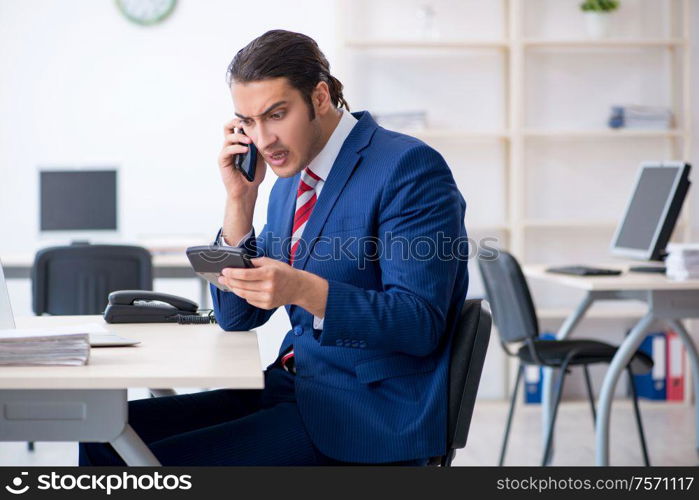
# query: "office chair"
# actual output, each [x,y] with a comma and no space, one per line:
[469,346]
[515,317]
[77,279]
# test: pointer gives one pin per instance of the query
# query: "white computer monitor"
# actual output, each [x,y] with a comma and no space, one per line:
[652,210]
[7,319]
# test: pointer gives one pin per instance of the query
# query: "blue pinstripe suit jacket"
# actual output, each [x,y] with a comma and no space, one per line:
[371,386]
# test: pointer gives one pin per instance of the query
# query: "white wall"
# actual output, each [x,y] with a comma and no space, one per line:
[82,86]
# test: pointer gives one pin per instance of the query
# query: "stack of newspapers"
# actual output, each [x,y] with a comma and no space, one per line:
[35,348]
[682,262]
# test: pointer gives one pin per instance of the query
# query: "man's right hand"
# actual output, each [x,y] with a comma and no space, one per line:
[235,143]
[241,193]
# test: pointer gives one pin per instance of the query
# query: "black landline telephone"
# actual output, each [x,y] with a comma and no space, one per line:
[143,306]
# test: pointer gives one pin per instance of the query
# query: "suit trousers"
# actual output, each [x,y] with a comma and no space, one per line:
[219,427]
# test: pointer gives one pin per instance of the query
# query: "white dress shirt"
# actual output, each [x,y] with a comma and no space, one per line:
[321,166]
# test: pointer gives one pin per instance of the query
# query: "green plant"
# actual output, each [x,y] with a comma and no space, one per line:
[599,5]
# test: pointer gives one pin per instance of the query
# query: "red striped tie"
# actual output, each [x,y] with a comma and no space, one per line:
[305,201]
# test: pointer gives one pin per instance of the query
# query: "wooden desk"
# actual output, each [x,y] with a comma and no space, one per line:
[89,403]
[667,301]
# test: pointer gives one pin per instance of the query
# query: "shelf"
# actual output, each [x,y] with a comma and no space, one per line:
[605,43]
[544,134]
[426,44]
[456,134]
[601,134]
[388,43]
[482,228]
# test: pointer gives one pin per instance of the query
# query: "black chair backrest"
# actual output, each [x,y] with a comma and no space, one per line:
[508,293]
[77,279]
[469,346]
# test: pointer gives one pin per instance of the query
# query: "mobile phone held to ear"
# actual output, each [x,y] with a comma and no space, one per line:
[245,163]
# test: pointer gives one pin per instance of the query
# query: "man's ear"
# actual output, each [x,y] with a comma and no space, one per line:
[321,97]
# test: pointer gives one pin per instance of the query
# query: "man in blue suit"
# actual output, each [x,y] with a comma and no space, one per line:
[364,246]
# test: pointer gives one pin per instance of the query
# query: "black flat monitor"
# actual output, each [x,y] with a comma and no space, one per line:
[652,211]
[78,200]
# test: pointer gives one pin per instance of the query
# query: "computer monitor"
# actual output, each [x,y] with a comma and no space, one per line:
[78,200]
[652,211]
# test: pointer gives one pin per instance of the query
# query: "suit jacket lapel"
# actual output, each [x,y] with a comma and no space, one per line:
[342,169]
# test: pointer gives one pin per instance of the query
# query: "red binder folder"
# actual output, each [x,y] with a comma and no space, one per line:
[675,367]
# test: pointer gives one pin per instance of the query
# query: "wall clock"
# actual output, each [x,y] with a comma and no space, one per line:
[146,12]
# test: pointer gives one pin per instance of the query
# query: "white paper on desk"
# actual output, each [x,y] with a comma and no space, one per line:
[20,333]
[58,346]
[81,328]
[35,334]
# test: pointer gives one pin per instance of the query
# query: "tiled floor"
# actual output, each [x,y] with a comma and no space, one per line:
[669,431]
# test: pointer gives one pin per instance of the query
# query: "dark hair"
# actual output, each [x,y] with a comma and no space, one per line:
[280,53]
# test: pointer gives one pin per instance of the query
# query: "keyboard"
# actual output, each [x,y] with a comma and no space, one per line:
[648,269]
[584,271]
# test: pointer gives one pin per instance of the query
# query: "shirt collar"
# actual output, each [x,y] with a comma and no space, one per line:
[323,162]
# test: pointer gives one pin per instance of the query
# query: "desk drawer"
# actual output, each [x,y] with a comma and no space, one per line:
[62,415]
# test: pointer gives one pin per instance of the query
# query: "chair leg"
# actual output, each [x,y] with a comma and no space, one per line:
[513,401]
[590,395]
[448,458]
[556,402]
[637,413]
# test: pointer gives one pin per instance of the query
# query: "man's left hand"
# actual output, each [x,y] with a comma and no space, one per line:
[269,284]
[272,283]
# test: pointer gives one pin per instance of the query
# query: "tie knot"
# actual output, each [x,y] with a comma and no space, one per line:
[309,177]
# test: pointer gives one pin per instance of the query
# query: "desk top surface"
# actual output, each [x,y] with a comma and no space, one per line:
[626,281]
[168,356]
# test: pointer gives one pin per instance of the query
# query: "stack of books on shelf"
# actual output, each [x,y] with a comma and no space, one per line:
[641,117]
[682,262]
[36,348]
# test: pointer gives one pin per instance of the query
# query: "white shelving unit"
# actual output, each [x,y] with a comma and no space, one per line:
[610,43]
[514,151]
[514,45]
[457,134]
[602,134]
[425,44]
